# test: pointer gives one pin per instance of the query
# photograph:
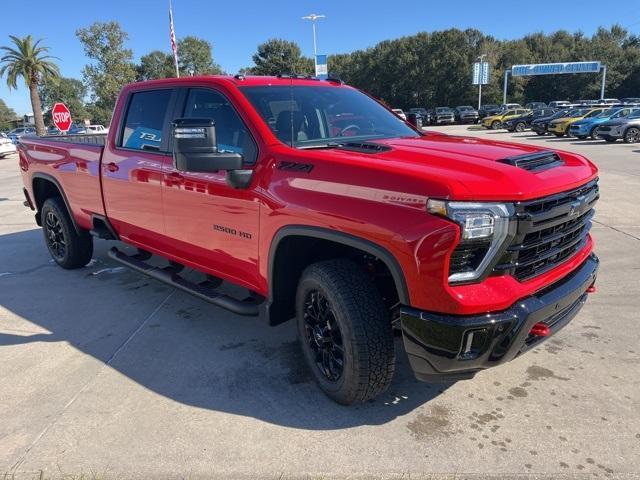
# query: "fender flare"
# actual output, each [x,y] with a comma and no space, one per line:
[346,239]
[52,179]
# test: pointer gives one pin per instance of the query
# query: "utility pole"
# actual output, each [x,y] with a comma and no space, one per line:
[480,58]
[313,17]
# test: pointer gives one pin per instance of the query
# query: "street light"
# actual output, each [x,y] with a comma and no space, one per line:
[480,58]
[313,17]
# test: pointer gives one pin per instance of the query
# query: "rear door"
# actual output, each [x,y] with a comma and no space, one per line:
[210,223]
[132,167]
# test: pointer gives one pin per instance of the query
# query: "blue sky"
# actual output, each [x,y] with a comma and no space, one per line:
[236,28]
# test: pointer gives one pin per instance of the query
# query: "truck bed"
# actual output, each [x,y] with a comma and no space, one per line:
[92,139]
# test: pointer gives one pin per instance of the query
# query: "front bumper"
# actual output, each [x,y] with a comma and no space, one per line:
[449,347]
[579,130]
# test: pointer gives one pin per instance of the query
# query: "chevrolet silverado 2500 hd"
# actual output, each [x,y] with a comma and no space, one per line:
[329,209]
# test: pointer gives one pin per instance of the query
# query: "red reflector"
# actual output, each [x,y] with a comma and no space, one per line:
[540,330]
[591,289]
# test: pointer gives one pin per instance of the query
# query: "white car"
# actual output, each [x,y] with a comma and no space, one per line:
[96,129]
[399,112]
[6,145]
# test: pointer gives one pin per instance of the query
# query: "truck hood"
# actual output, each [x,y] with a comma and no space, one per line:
[472,169]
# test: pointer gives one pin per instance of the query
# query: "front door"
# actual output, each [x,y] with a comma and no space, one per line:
[213,224]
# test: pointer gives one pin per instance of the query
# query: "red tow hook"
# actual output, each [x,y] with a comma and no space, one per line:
[540,330]
[592,289]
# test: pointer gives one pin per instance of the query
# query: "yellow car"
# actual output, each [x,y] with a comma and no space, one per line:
[561,126]
[494,122]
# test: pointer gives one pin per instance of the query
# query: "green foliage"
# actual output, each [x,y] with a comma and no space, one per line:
[69,91]
[29,60]
[156,64]
[433,69]
[7,115]
[277,56]
[194,57]
[112,67]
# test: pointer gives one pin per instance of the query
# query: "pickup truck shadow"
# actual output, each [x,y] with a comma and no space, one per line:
[175,345]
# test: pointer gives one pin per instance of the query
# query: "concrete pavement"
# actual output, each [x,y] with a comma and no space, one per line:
[106,373]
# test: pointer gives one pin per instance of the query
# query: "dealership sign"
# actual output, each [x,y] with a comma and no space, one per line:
[322,72]
[480,73]
[555,68]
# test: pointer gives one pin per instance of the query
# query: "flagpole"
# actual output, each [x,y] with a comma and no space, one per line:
[174,45]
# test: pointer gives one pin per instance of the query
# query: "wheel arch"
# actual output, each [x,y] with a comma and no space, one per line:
[281,297]
[45,186]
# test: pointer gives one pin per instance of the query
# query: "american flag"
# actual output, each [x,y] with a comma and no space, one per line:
[174,45]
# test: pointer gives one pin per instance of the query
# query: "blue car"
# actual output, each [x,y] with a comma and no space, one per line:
[588,127]
[16,133]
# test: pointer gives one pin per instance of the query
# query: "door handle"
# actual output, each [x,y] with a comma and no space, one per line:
[112,167]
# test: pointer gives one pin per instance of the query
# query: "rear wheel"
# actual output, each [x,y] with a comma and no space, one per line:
[68,247]
[520,126]
[632,135]
[344,331]
[595,133]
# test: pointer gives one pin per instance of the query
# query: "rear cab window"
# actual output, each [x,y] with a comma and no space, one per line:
[144,121]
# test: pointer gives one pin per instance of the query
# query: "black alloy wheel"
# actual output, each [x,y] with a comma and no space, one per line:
[54,234]
[323,335]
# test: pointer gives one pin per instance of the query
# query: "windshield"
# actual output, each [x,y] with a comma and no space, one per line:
[304,116]
[465,108]
[576,113]
[443,110]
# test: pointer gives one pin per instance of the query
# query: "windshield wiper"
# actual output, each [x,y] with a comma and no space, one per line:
[320,145]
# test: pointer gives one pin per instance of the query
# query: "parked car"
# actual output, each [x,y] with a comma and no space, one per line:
[77,129]
[535,105]
[540,125]
[630,101]
[53,130]
[559,104]
[509,106]
[494,122]
[397,111]
[488,109]
[293,213]
[589,127]
[442,116]
[626,128]
[16,133]
[522,122]
[560,127]
[100,129]
[465,114]
[7,147]
[610,101]
[424,114]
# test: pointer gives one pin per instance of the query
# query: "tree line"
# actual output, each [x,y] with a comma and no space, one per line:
[426,69]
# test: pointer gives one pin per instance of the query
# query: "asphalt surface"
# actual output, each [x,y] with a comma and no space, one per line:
[108,374]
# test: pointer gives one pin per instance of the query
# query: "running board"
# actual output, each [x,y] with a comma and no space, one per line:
[168,275]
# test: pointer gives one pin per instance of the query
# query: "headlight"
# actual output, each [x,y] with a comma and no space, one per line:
[484,229]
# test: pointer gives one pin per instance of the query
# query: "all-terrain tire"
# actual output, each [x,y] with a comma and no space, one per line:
[68,247]
[363,327]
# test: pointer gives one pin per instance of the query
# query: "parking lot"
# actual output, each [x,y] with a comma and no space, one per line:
[108,374]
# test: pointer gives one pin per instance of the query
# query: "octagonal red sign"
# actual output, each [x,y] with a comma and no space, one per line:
[61,117]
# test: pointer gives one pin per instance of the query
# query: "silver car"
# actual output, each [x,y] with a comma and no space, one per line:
[627,128]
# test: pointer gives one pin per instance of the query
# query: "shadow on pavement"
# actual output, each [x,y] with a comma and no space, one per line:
[177,346]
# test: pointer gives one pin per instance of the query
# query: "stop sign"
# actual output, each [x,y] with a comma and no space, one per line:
[61,117]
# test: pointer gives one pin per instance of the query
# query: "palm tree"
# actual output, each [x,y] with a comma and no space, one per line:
[30,61]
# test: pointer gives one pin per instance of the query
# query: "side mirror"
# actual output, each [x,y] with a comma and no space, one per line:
[195,148]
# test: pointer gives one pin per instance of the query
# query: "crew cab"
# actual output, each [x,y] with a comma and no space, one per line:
[321,205]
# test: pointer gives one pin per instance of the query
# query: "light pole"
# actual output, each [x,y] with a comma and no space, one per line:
[313,17]
[480,58]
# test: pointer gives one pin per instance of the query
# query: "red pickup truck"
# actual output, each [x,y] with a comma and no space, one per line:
[326,207]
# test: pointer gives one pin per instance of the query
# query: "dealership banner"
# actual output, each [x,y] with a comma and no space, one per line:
[555,68]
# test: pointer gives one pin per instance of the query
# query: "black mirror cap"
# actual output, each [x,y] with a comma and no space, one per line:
[195,147]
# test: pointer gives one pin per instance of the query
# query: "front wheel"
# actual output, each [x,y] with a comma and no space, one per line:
[595,134]
[632,135]
[344,331]
[68,247]
[495,125]
[520,126]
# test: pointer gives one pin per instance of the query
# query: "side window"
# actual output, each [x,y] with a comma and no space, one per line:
[142,129]
[231,133]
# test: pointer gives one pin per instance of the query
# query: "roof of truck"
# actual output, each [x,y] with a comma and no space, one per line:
[247,80]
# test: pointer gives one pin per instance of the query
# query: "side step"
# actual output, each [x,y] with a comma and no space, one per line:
[168,275]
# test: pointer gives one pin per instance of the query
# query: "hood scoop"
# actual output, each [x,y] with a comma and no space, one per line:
[364,147]
[535,162]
